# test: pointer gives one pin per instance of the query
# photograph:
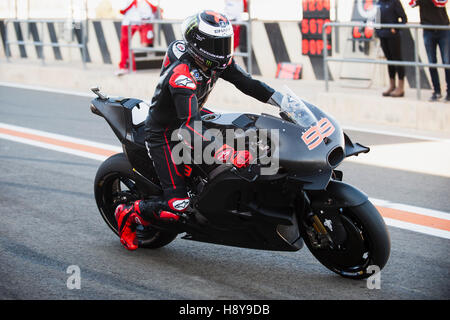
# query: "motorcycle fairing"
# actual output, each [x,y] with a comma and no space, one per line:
[353,149]
[303,164]
[243,214]
[118,113]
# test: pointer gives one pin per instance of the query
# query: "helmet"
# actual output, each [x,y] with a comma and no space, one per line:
[209,39]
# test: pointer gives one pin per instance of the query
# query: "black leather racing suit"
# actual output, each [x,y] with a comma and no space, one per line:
[179,97]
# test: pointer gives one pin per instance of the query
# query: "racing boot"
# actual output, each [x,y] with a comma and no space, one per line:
[142,212]
[128,217]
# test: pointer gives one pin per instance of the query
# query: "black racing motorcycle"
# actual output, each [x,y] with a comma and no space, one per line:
[303,199]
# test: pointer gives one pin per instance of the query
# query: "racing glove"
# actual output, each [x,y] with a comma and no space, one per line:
[276,99]
[227,154]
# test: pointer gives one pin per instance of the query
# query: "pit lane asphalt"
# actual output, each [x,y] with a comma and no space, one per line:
[50,221]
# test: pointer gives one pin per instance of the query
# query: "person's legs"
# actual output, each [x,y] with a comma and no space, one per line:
[444,47]
[430,46]
[170,175]
[391,70]
[174,201]
[124,49]
[396,51]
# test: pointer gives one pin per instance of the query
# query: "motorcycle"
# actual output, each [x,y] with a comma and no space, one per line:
[303,200]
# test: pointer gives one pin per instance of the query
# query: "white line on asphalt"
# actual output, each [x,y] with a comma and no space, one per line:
[45,89]
[417,228]
[61,137]
[413,209]
[53,147]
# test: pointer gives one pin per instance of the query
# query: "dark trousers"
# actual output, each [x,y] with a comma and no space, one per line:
[433,39]
[171,175]
[393,51]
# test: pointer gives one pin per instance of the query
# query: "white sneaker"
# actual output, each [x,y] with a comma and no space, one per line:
[121,72]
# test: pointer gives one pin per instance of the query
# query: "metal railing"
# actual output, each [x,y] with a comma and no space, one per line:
[82,45]
[157,40]
[416,64]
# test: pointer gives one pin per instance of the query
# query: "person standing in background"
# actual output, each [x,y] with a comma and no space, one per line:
[434,12]
[391,12]
[134,11]
[233,10]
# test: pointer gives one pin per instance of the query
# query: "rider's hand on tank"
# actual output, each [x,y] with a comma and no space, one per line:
[276,99]
[225,153]
[242,158]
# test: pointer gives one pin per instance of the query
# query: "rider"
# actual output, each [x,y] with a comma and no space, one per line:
[190,70]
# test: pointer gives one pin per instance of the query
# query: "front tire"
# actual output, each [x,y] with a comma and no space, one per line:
[115,183]
[367,243]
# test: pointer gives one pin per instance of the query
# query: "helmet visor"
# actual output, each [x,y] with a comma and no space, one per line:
[217,48]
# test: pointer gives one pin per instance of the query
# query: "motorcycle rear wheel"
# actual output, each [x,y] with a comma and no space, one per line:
[367,243]
[115,183]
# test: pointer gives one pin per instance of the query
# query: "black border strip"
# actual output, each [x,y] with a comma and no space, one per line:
[78,35]
[19,36]
[169,34]
[277,42]
[118,27]
[32,27]
[102,42]
[3,36]
[54,39]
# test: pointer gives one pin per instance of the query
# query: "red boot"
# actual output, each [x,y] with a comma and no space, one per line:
[128,217]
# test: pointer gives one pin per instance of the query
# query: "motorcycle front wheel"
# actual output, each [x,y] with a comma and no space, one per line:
[115,183]
[366,248]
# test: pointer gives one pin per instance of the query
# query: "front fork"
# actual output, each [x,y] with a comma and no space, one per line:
[323,222]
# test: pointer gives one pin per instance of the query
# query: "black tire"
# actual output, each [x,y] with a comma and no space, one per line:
[367,244]
[115,183]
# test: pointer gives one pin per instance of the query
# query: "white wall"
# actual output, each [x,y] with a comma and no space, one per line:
[175,9]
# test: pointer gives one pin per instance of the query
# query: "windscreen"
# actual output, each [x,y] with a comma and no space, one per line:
[296,110]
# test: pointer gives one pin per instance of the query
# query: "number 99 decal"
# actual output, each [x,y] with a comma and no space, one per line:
[315,134]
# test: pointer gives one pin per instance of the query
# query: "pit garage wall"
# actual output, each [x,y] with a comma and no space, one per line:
[272,42]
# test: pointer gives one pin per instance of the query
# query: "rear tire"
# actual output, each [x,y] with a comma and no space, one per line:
[367,244]
[114,184]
